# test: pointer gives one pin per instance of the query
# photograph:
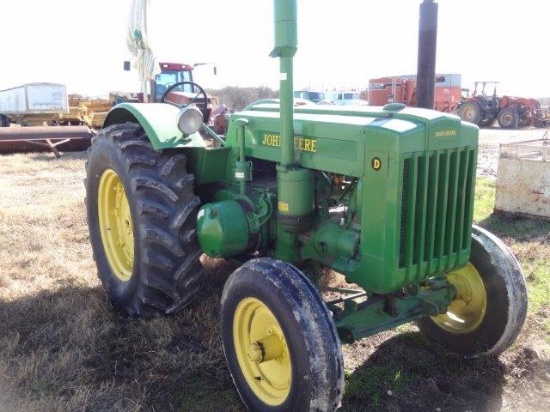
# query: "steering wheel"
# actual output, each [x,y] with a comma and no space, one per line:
[204,109]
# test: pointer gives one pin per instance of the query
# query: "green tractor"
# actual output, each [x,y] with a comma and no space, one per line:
[381,195]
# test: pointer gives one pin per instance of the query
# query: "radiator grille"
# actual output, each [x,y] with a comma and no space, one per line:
[436,204]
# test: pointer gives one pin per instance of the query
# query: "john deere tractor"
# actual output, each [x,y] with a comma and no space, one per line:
[381,195]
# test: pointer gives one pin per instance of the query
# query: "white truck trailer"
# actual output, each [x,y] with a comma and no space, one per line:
[43,109]
[33,104]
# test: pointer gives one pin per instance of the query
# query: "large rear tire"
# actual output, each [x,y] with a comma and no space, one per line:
[141,213]
[470,112]
[279,340]
[491,304]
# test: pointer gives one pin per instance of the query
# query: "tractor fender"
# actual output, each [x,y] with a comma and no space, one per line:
[159,122]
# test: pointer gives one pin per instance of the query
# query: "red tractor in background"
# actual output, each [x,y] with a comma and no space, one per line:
[174,83]
[483,109]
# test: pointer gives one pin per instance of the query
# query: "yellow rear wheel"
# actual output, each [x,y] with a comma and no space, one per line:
[141,214]
[115,225]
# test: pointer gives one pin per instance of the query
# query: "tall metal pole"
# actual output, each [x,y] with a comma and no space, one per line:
[427,44]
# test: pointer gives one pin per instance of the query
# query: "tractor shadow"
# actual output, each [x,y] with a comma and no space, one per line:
[68,348]
[407,373]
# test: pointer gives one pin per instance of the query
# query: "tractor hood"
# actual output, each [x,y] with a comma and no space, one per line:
[331,138]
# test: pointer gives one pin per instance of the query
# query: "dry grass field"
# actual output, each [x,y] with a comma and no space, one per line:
[64,348]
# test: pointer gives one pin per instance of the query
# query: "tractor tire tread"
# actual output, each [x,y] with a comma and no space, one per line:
[167,269]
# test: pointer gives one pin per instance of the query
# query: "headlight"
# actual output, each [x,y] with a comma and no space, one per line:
[189,120]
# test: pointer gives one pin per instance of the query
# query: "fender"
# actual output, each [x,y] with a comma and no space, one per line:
[159,122]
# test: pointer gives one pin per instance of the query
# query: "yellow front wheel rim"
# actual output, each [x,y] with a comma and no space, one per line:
[115,225]
[467,310]
[262,351]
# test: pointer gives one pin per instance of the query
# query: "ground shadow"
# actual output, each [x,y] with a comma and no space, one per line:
[70,349]
[406,373]
[521,227]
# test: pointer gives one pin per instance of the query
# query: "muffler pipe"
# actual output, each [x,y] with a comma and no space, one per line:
[427,43]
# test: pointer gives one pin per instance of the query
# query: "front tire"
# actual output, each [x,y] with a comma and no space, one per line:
[279,340]
[508,118]
[491,304]
[141,213]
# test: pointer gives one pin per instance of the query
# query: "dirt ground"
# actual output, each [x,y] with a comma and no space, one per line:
[490,140]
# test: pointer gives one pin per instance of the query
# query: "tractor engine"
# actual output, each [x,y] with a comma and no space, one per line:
[382,195]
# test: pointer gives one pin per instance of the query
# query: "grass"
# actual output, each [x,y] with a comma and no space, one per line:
[64,348]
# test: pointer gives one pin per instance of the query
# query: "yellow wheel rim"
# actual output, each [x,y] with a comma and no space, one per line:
[467,310]
[262,351]
[115,225]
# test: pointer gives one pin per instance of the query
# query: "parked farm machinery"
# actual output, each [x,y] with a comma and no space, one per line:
[382,195]
[485,107]
[34,116]
[402,89]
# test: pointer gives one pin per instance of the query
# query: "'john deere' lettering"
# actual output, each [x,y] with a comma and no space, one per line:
[300,143]
[445,133]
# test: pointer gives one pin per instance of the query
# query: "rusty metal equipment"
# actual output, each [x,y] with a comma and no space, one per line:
[49,138]
[37,116]
[523,178]
[446,90]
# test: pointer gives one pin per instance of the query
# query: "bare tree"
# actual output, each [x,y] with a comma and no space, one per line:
[236,98]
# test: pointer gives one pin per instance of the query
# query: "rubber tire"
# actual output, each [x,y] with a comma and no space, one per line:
[314,346]
[508,118]
[506,306]
[4,121]
[525,121]
[166,271]
[470,112]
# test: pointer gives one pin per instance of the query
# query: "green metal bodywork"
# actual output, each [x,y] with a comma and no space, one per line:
[158,121]
[383,195]
[371,145]
[429,154]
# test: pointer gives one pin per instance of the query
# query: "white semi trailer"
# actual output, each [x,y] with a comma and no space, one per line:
[33,104]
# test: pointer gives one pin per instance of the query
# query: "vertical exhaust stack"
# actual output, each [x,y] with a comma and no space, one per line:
[427,43]
[286,44]
[295,184]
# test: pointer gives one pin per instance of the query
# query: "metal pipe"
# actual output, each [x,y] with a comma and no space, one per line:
[242,168]
[12,134]
[214,135]
[285,18]
[427,43]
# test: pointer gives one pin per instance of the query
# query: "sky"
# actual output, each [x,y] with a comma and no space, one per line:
[341,44]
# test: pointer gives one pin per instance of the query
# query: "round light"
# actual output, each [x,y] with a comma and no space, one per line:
[189,120]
